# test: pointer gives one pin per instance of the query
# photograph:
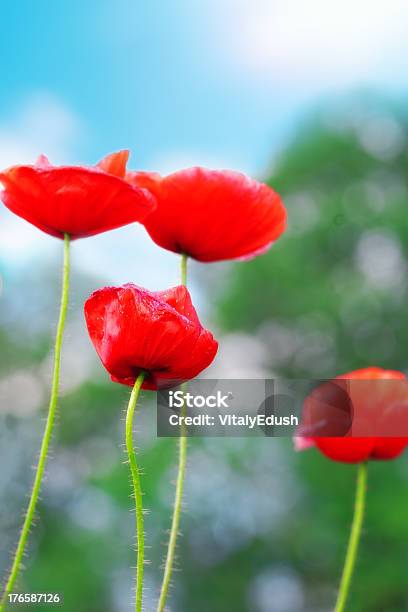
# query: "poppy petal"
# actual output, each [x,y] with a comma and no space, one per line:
[347,450]
[133,329]
[76,200]
[115,163]
[389,448]
[212,215]
[378,407]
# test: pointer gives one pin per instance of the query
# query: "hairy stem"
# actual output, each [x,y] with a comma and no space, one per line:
[355,535]
[137,490]
[171,549]
[47,433]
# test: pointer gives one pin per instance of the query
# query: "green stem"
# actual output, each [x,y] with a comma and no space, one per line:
[137,490]
[47,433]
[354,538]
[171,549]
[183,266]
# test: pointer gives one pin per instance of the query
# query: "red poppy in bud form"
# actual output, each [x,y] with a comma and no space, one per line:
[77,200]
[212,215]
[136,330]
[357,416]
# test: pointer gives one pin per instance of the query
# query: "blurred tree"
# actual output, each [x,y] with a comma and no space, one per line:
[330,297]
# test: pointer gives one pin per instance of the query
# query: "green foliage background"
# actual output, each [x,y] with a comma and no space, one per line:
[266,527]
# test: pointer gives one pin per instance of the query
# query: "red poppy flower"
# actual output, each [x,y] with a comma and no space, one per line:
[366,408]
[133,329]
[212,215]
[77,200]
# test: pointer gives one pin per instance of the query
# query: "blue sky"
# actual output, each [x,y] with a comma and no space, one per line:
[179,82]
[220,81]
[140,75]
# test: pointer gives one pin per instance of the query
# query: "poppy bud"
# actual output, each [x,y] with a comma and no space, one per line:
[134,330]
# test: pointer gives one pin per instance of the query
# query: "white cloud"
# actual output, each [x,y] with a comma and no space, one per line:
[314,44]
[126,255]
[42,124]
